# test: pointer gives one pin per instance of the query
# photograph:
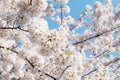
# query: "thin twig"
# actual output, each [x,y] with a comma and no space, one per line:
[89,73]
[29,62]
[63,72]
[48,75]
[117,68]
[14,28]
[112,61]
[23,30]
[9,49]
[61,13]
[101,54]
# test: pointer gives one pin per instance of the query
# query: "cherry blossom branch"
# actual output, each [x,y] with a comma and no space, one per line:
[112,61]
[57,68]
[97,35]
[117,68]
[30,2]
[28,61]
[14,28]
[63,72]
[78,21]
[101,54]
[61,13]
[72,27]
[83,16]
[106,64]
[11,49]
[40,70]
[59,76]
[48,75]
[89,73]
[95,69]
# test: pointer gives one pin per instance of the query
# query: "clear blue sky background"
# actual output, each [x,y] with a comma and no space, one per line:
[77,7]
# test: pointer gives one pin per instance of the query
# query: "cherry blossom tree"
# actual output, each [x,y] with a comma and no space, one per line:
[30,51]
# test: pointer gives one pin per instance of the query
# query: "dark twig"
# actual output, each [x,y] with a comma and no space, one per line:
[101,54]
[17,53]
[29,62]
[14,28]
[31,2]
[63,72]
[48,75]
[23,29]
[9,49]
[89,73]
[117,68]
[95,36]
[61,14]
[112,61]
[40,70]
[106,64]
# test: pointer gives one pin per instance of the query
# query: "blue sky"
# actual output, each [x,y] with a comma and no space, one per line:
[77,7]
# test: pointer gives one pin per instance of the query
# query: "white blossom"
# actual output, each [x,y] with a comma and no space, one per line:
[30,51]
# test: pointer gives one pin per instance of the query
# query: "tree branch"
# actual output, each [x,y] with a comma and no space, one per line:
[29,62]
[89,73]
[48,75]
[112,61]
[106,64]
[63,72]
[101,54]
[12,28]
[61,13]
[11,49]
[31,2]
[117,68]
[97,35]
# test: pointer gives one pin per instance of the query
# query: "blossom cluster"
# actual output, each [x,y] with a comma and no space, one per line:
[30,51]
